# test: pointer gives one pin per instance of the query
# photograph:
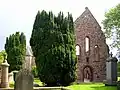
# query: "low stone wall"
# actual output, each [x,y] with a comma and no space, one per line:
[42,88]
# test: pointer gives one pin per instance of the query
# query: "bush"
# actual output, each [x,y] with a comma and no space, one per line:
[34,71]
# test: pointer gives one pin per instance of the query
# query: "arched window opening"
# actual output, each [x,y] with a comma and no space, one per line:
[87,59]
[77,50]
[96,49]
[96,46]
[87,44]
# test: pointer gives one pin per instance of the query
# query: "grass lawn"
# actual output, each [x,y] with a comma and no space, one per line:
[37,81]
[85,86]
[11,84]
[92,86]
[81,86]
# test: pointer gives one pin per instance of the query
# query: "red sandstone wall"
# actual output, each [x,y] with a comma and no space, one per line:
[86,25]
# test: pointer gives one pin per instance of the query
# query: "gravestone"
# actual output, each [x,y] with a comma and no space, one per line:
[111,71]
[24,80]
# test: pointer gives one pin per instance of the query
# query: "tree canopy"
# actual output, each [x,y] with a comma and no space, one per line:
[53,45]
[111,25]
[15,48]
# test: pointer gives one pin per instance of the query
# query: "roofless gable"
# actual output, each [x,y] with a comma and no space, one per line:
[86,16]
[92,48]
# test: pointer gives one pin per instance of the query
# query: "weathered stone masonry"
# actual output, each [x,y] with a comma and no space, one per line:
[91,64]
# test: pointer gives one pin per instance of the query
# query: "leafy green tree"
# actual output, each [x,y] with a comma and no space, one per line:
[15,48]
[53,45]
[3,55]
[112,25]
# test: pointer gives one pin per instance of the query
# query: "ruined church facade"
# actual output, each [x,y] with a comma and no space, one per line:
[92,49]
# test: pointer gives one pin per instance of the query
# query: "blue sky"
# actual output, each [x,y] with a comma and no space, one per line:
[19,15]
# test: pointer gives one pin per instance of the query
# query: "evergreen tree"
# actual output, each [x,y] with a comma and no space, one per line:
[15,48]
[53,45]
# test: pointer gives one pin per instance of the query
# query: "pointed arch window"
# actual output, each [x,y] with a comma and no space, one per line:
[87,44]
[96,52]
[77,50]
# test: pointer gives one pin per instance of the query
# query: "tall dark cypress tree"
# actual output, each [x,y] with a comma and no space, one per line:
[22,40]
[53,46]
[15,48]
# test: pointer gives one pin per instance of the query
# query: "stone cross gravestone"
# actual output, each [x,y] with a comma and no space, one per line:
[24,80]
[111,72]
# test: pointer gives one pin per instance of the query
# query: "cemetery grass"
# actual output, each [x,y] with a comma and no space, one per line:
[37,81]
[84,86]
[91,86]
[81,86]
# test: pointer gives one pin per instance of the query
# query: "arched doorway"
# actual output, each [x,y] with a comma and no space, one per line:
[87,74]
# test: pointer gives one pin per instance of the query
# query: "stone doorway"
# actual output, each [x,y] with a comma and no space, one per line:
[87,74]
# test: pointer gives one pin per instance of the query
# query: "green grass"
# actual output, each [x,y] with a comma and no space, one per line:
[11,84]
[92,86]
[37,81]
[81,86]
[85,86]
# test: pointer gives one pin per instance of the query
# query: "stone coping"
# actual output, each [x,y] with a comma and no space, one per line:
[5,64]
[10,74]
[15,71]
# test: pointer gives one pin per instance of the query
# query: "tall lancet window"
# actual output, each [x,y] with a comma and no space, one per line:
[87,44]
[77,50]
[96,52]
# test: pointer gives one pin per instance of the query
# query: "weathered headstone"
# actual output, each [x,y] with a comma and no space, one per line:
[111,71]
[24,80]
